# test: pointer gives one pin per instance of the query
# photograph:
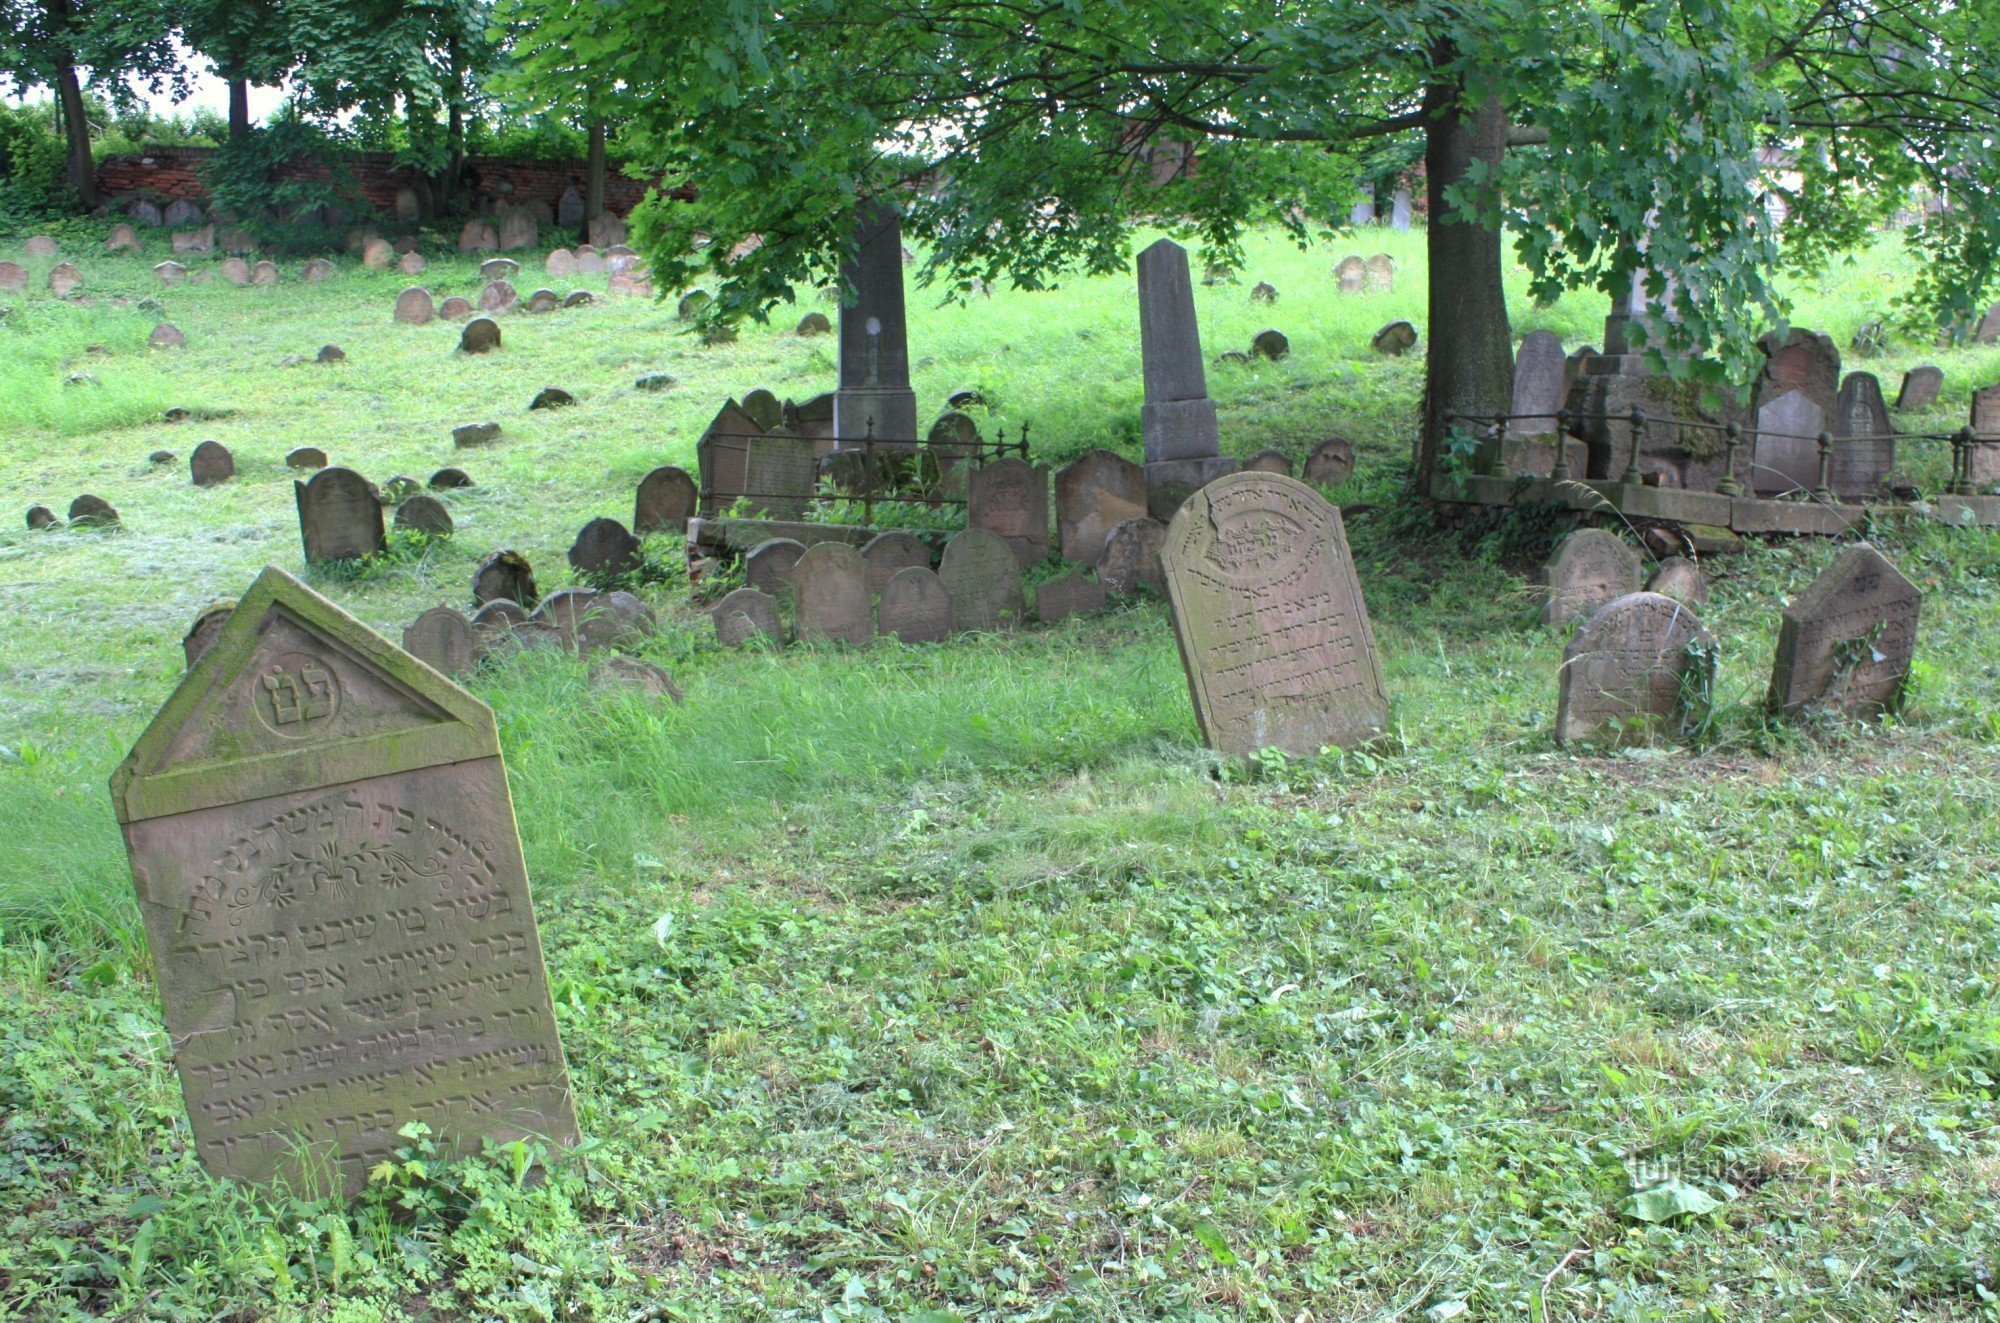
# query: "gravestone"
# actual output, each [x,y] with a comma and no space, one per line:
[455,307]
[1363,211]
[315,271]
[768,565]
[444,640]
[874,397]
[424,514]
[88,511]
[812,324]
[377,254]
[1071,595]
[236,271]
[330,354]
[41,517]
[830,594]
[551,397]
[14,277]
[983,579]
[266,273]
[475,434]
[181,212]
[1921,386]
[589,262]
[40,245]
[1264,292]
[1269,461]
[665,502]
[745,615]
[167,336]
[64,280]
[122,239]
[1983,462]
[1399,210]
[604,549]
[201,634]
[477,237]
[1131,557]
[1270,344]
[170,273]
[1010,497]
[499,268]
[323,846]
[449,479]
[195,241]
[915,607]
[1795,401]
[498,296]
[1268,614]
[498,619]
[1988,330]
[1845,643]
[692,304]
[1640,665]
[764,409]
[1541,389]
[770,473]
[339,516]
[398,489]
[1395,339]
[640,285]
[544,301]
[1860,467]
[1178,420]
[1331,462]
[569,208]
[1589,568]
[505,575]
[606,230]
[578,298]
[890,551]
[210,464]
[566,614]
[1351,275]
[147,212]
[618,258]
[561,262]
[1093,496]
[480,335]
[414,307]
[306,457]
[1378,274]
[411,264]
[517,230]
[1681,579]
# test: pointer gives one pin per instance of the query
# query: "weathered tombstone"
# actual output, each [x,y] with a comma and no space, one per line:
[498,619]
[265,274]
[475,434]
[41,517]
[768,565]
[1921,386]
[40,245]
[13,277]
[1267,610]
[414,307]
[504,575]
[449,479]
[318,269]
[324,851]
[170,273]
[764,409]
[983,578]
[1379,274]
[424,514]
[1795,402]
[606,230]
[570,208]
[578,298]
[517,230]
[566,613]
[1071,595]
[444,640]
[1178,419]
[1331,462]
[1010,497]
[411,264]
[1093,496]
[1264,292]
[480,335]
[88,511]
[122,239]
[830,594]
[814,323]
[551,397]
[618,258]
[1270,344]
[1983,463]
[638,284]
[1132,557]
[398,489]
[915,607]
[499,268]
[339,516]
[1589,568]
[201,634]
[455,307]
[890,551]
[167,336]
[330,354]
[195,241]
[498,296]
[1351,275]
[1395,339]
[1541,389]
[377,254]
[561,262]
[770,473]
[147,212]
[655,381]
[1988,330]
[236,271]
[1642,663]
[543,301]
[477,236]
[1846,642]
[748,614]
[665,502]
[874,398]
[1681,579]
[64,280]
[589,262]
[210,464]
[181,212]
[1399,210]
[306,457]
[604,549]
[1864,447]
[1269,461]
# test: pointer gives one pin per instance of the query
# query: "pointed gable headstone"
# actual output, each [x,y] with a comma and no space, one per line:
[1845,643]
[324,851]
[340,517]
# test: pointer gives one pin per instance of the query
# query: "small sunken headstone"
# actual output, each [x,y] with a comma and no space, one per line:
[578,298]
[40,245]
[330,354]
[983,578]
[1641,664]
[1264,292]
[476,237]
[201,634]
[265,274]
[551,397]
[639,285]
[890,551]
[1589,568]
[1132,557]
[424,514]
[1268,613]
[41,517]
[182,212]
[561,262]
[444,640]
[1846,642]
[498,296]
[830,594]
[377,254]
[306,457]
[1379,274]
[65,280]
[607,230]
[167,336]
[499,268]
[315,271]
[411,264]
[617,671]
[505,574]
[1351,274]
[455,307]
[544,300]
[497,619]
[414,307]
[1011,497]
[122,239]
[604,549]
[748,615]
[170,273]
[1921,386]
[88,511]
[1270,344]
[915,607]
[768,565]
[210,464]
[665,502]
[1093,496]
[814,323]
[475,434]
[480,335]
[339,516]
[236,271]
[1395,339]
[1269,461]
[565,613]
[589,262]
[399,489]
[1071,595]
[654,381]
[195,241]
[1681,579]
[324,851]
[13,277]
[449,479]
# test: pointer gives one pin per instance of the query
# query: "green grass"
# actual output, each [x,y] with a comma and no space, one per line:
[960,981]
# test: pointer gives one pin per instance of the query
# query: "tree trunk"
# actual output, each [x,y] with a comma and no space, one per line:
[454,140]
[420,181]
[1469,368]
[78,166]
[593,177]
[239,109]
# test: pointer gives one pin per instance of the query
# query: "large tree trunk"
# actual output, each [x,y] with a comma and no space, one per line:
[454,131]
[1470,365]
[593,177]
[420,182]
[239,109]
[80,169]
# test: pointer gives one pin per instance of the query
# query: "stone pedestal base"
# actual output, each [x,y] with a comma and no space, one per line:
[1169,482]
[894,412]
[1180,429]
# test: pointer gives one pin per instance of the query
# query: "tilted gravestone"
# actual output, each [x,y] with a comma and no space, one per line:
[1093,496]
[505,575]
[1071,595]
[1640,666]
[665,502]
[88,511]
[764,409]
[210,464]
[1589,568]
[444,640]
[747,615]
[983,578]
[414,307]
[1132,557]
[890,551]
[915,607]
[1846,642]
[41,517]
[1267,610]
[323,846]
[1395,339]
[1920,387]
[202,633]
[1011,497]
[339,516]
[768,565]
[424,514]
[1864,451]
[830,594]
[1351,275]
[604,549]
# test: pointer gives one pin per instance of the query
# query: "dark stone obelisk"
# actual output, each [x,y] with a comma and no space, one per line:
[875,395]
[1178,422]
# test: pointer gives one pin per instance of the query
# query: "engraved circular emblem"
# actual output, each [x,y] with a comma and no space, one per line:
[1255,542]
[296,695]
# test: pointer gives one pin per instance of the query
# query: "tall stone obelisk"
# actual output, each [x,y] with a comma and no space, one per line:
[1178,422]
[874,395]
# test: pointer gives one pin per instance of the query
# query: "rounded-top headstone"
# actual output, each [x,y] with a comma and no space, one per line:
[1270,344]
[551,397]
[748,615]
[505,574]
[449,479]
[814,323]
[92,511]
[235,270]
[306,457]
[770,563]
[693,303]
[265,273]
[478,236]
[411,264]
[14,277]
[1264,292]
[1395,339]
[764,409]
[340,516]
[665,502]
[40,517]
[146,212]
[455,307]
[1590,567]
[414,306]
[499,615]
[377,254]
[424,514]
[122,239]
[589,262]
[40,245]
[604,549]
[499,268]
[983,579]
[1132,557]
[167,336]
[480,335]
[318,269]
[890,551]
[444,640]
[1632,671]
[544,300]
[1331,462]
[915,607]
[200,636]
[578,298]
[1269,461]
[498,296]
[830,594]
[1681,579]
[330,354]
[561,262]
[65,280]
[211,463]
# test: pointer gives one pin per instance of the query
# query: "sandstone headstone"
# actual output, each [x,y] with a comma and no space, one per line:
[315,271]
[306,457]
[211,463]
[424,514]
[65,280]
[1921,386]
[551,397]
[637,284]
[544,300]
[1264,292]
[578,298]
[147,212]
[498,617]
[1541,388]
[455,307]
[398,489]
[1132,557]
[606,230]
[1011,497]
[449,479]
[339,516]
[561,262]
[480,335]
[411,264]
[1988,330]
[983,578]
[1379,274]
[1395,339]
[567,612]
[1846,642]
[770,473]
[265,274]
[1270,344]
[195,241]
[122,239]
[1071,595]
[1796,400]
[1269,461]
[444,640]
[915,607]
[1864,448]
[170,273]
[477,236]
[499,268]
[1351,275]
[504,574]
[498,296]
[1983,463]
[692,304]
[40,245]
[167,336]
[324,851]
[814,323]
[331,354]
[517,230]
[1589,568]
[414,307]
[377,254]
[182,212]
[665,502]
[14,277]
[1268,613]
[768,566]
[1640,666]
[1681,579]
[830,594]
[589,263]
[236,271]
[88,511]
[202,633]
[41,517]
[475,434]
[746,615]
[618,258]
[605,549]
[890,551]
[617,671]
[1093,496]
